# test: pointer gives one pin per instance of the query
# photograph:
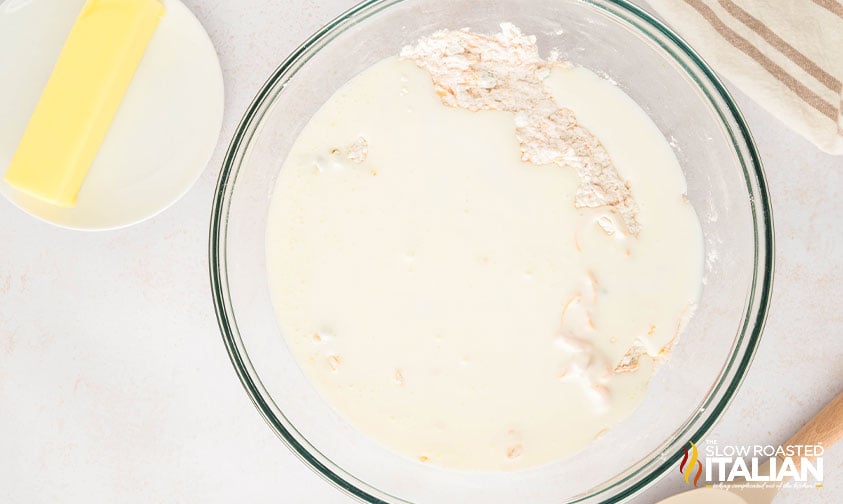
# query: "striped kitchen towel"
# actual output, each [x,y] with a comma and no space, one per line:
[785,54]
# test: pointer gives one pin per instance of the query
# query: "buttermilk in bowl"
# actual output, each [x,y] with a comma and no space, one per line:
[479,255]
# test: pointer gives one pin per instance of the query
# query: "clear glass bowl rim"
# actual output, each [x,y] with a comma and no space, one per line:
[635,479]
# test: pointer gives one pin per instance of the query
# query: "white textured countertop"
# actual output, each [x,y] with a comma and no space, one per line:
[115,385]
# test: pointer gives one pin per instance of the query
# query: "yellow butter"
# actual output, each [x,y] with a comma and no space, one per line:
[84,91]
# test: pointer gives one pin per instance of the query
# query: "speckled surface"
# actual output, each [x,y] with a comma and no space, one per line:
[115,385]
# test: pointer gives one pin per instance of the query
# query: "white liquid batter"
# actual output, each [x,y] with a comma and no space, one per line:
[448,299]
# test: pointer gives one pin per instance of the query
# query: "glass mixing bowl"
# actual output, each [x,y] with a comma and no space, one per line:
[726,185]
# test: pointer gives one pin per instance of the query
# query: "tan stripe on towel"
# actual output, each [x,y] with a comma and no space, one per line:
[834,6]
[753,52]
[781,44]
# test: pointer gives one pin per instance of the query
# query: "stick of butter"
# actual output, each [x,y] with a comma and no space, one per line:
[84,91]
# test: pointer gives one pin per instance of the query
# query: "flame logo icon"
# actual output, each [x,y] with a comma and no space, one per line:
[686,467]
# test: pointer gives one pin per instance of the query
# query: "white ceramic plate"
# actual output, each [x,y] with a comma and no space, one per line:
[162,136]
